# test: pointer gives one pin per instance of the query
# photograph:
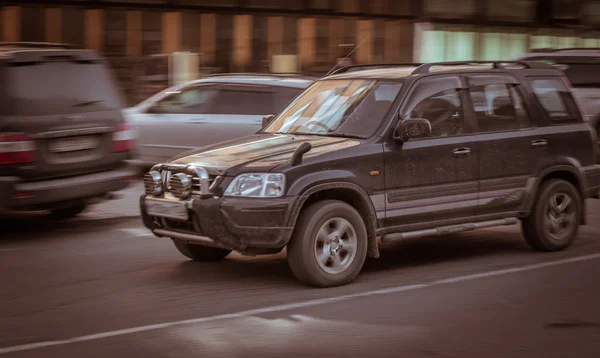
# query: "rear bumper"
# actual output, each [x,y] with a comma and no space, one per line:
[15,194]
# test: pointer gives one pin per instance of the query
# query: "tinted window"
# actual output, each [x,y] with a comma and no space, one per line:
[499,107]
[194,100]
[244,102]
[582,71]
[438,101]
[284,96]
[60,88]
[555,98]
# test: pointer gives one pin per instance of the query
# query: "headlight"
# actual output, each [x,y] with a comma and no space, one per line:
[257,185]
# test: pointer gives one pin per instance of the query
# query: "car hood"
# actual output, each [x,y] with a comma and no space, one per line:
[259,152]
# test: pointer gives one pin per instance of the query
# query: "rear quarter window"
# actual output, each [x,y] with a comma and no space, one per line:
[556,99]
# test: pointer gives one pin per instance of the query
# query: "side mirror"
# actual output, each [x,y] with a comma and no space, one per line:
[412,128]
[267,119]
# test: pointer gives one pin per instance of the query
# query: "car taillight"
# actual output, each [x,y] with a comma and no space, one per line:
[16,148]
[123,138]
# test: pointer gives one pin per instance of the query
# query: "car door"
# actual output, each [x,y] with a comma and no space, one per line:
[509,143]
[170,126]
[433,181]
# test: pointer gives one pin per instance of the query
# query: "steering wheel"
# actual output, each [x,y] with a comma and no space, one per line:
[327,129]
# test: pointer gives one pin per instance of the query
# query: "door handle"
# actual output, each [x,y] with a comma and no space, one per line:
[539,143]
[461,152]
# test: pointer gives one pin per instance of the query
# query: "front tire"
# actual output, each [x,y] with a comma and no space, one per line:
[200,252]
[554,220]
[329,244]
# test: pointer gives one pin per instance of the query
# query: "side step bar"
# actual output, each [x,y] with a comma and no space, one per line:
[444,230]
[189,238]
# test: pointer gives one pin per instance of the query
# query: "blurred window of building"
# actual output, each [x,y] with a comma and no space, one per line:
[541,41]
[33,24]
[566,42]
[72,26]
[190,32]
[511,10]
[290,35]
[459,46]
[115,33]
[260,44]
[151,32]
[379,41]
[224,42]
[502,46]
[321,4]
[432,47]
[565,9]
[591,12]
[591,43]
[322,42]
[450,9]
[224,3]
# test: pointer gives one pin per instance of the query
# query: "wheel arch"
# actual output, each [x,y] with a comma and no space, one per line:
[350,193]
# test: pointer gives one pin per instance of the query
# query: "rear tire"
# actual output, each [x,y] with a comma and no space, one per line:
[554,220]
[69,211]
[329,244]
[200,252]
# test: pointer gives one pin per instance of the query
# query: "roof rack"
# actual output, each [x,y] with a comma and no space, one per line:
[36,45]
[425,68]
[373,65]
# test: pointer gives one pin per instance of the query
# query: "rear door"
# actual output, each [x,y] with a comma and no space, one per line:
[69,106]
[509,141]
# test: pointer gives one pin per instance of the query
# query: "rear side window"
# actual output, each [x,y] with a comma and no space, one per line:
[244,102]
[499,107]
[60,87]
[556,99]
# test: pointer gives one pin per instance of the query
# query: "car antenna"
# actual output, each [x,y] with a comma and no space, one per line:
[348,55]
[299,152]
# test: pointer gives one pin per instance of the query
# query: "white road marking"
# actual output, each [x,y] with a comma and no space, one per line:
[136,231]
[297,305]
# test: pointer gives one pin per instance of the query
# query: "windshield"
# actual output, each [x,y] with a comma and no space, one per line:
[338,107]
[60,87]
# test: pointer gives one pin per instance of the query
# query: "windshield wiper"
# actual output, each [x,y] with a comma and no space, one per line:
[340,135]
[87,103]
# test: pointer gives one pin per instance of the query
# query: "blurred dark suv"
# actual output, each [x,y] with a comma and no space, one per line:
[63,140]
[397,153]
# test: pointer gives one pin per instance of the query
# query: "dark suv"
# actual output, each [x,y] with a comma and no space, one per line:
[63,140]
[397,153]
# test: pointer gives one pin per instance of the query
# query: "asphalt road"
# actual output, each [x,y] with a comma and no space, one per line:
[105,288]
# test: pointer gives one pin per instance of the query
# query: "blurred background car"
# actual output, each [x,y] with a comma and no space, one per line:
[207,111]
[63,142]
[582,68]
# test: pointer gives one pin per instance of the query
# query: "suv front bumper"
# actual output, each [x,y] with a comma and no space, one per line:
[16,194]
[240,224]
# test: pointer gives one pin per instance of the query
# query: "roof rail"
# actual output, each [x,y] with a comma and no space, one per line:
[373,65]
[550,49]
[425,68]
[257,74]
[36,45]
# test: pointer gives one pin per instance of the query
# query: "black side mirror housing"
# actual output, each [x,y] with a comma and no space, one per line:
[412,128]
[266,120]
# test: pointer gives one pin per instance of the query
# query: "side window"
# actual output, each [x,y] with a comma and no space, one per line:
[438,100]
[556,99]
[195,100]
[499,107]
[283,97]
[241,101]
